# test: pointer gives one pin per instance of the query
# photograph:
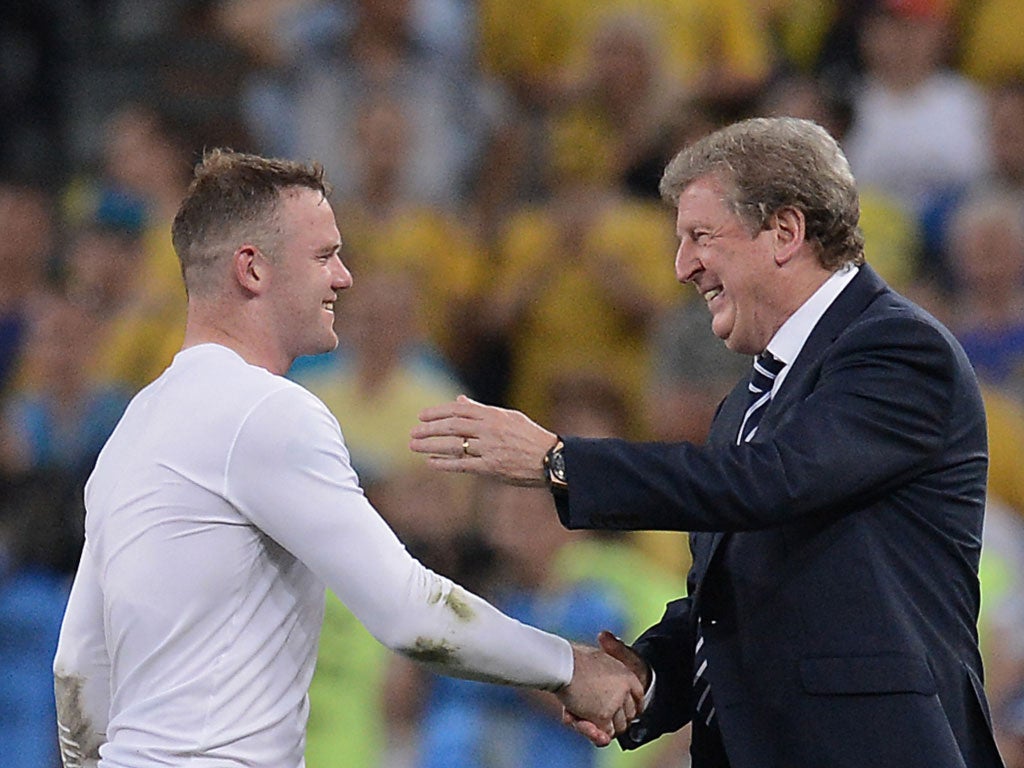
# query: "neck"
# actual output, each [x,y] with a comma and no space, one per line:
[799,288]
[232,331]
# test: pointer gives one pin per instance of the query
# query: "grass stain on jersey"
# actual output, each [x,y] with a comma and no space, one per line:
[78,740]
[445,659]
[427,651]
[458,604]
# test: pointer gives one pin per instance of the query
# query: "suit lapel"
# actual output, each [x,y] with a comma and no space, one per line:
[847,307]
[723,432]
[861,291]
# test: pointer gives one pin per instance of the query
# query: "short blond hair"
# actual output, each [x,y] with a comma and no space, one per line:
[233,198]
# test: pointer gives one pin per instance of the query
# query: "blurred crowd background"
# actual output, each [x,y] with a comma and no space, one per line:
[495,167]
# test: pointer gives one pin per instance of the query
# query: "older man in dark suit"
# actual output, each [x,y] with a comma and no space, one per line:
[836,509]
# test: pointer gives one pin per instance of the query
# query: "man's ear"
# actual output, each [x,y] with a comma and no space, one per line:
[790,230]
[249,269]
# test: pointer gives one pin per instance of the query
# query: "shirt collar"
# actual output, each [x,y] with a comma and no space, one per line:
[791,337]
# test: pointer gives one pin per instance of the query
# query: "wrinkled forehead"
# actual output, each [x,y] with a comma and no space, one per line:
[706,195]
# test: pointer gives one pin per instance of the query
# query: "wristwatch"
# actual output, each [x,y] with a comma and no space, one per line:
[554,468]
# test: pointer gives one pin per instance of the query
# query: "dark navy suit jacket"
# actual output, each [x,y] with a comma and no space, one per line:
[835,556]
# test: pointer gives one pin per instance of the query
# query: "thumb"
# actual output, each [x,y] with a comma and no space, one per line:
[617,649]
[614,647]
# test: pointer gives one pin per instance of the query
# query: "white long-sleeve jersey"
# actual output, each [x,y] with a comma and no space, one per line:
[220,507]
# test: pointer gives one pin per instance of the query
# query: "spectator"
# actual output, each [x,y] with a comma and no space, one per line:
[919,129]
[144,174]
[991,50]
[715,48]
[50,432]
[376,382]
[387,230]
[374,49]
[60,418]
[579,285]
[618,108]
[1006,115]
[27,227]
[988,312]
[892,237]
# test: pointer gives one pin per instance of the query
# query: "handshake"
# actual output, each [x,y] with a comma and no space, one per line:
[606,691]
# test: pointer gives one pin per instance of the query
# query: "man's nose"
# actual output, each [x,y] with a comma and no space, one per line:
[687,263]
[342,277]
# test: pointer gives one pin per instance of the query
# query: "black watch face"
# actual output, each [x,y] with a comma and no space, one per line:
[558,465]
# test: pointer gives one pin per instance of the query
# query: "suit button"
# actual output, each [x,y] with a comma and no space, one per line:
[637,732]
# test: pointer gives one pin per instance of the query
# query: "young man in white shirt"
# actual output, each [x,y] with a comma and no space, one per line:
[225,501]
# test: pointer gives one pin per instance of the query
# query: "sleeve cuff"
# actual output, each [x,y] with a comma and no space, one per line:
[649,693]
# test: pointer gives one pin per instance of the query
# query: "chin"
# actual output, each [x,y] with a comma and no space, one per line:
[321,346]
[329,345]
[737,344]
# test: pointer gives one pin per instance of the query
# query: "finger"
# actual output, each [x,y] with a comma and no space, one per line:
[629,707]
[435,412]
[438,427]
[431,446]
[448,446]
[596,736]
[620,722]
[464,464]
[638,694]
[446,427]
[613,646]
[462,406]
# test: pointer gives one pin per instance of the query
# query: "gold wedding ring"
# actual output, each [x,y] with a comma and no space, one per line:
[465,446]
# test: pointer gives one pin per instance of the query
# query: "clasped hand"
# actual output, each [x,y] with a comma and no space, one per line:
[606,692]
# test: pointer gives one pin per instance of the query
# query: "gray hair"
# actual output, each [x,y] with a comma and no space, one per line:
[768,164]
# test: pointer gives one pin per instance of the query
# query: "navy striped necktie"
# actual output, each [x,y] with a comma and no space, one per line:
[703,706]
[766,368]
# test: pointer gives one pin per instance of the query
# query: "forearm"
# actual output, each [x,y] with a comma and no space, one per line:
[313,507]
[81,719]
[81,672]
[458,633]
[411,609]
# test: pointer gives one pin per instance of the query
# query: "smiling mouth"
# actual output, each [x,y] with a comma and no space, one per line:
[328,305]
[710,295]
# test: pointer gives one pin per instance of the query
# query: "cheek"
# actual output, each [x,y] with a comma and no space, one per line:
[724,320]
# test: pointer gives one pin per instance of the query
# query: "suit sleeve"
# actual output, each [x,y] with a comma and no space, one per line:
[663,648]
[876,416]
[81,671]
